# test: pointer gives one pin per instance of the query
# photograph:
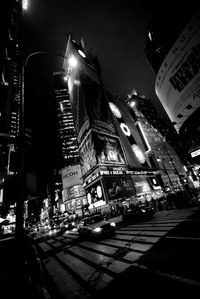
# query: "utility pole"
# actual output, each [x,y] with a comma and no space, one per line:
[21,197]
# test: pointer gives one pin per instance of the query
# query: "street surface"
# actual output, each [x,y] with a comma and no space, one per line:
[147,257]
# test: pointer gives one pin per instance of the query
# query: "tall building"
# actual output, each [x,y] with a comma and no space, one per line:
[175,61]
[68,168]
[161,154]
[11,112]
[10,93]
[67,145]
[148,109]
[112,151]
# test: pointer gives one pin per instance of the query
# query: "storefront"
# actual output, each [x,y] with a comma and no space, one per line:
[110,189]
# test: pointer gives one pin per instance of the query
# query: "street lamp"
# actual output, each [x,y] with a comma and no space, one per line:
[22,174]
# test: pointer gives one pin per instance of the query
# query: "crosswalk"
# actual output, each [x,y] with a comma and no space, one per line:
[79,268]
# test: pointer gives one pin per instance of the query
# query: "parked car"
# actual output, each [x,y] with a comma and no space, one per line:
[136,213]
[95,226]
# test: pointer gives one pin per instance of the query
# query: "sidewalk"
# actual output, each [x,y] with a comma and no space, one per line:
[20,275]
[21,272]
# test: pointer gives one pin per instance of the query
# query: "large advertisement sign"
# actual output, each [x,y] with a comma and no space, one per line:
[87,154]
[71,176]
[141,184]
[95,197]
[108,149]
[99,148]
[119,187]
[178,80]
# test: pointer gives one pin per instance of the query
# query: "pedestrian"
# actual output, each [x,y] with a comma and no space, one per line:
[38,230]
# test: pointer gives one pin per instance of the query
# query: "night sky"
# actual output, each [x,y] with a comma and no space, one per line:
[113,31]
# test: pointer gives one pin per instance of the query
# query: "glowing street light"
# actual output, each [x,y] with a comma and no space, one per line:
[73,62]
[81,53]
[25,4]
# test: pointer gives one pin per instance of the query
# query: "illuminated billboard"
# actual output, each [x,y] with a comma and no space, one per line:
[71,176]
[178,80]
[195,153]
[108,149]
[94,194]
[99,148]
[141,184]
[119,187]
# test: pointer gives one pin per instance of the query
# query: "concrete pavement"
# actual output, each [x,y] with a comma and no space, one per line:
[162,270]
[159,271]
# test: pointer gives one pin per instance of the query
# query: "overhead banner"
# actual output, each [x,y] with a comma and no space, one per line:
[71,176]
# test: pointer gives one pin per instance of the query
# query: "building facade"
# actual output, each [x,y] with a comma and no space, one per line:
[70,195]
[175,61]
[67,146]
[114,162]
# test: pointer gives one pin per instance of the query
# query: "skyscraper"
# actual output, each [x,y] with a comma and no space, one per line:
[148,109]
[111,149]
[67,145]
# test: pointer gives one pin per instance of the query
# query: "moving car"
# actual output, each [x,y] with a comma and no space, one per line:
[95,226]
[138,212]
[68,224]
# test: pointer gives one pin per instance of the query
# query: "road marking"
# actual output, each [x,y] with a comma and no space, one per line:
[45,247]
[66,285]
[100,260]
[87,272]
[183,238]
[99,247]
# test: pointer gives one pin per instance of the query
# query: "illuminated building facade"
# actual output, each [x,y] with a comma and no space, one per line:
[67,153]
[148,109]
[67,146]
[112,153]
[175,61]
[162,155]
[10,94]
[11,117]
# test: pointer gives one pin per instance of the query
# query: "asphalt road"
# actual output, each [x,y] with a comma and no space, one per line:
[157,257]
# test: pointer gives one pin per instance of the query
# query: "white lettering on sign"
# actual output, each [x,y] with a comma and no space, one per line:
[195,153]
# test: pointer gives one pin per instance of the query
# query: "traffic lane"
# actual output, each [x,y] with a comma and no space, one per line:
[178,252]
[142,232]
[95,264]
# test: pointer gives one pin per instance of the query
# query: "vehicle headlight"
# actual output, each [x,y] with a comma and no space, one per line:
[113,224]
[143,210]
[97,229]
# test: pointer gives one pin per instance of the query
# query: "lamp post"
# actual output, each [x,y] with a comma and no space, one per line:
[22,173]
